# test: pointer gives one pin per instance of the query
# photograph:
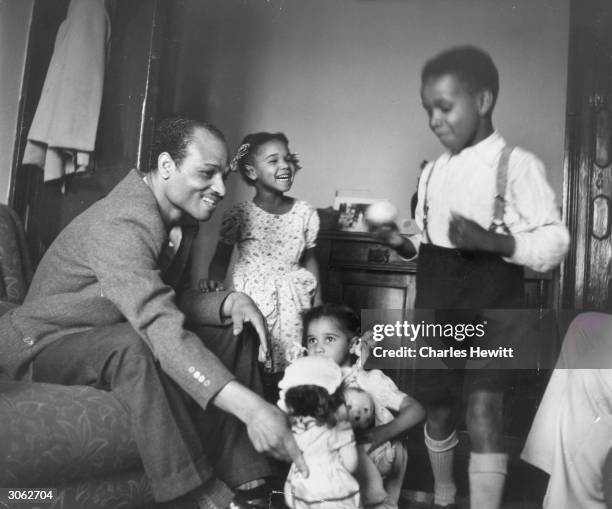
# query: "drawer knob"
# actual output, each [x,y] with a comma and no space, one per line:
[378,255]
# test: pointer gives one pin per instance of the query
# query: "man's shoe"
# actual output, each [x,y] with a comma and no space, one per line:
[448,506]
[238,503]
[270,503]
[241,504]
[259,496]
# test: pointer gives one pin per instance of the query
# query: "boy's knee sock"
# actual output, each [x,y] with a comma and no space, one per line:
[487,477]
[441,456]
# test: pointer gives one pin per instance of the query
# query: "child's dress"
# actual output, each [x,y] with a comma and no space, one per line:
[270,247]
[329,484]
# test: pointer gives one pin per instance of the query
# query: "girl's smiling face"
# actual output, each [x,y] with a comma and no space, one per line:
[273,167]
[326,337]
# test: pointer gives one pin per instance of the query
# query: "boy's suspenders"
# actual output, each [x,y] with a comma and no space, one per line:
[426,203]
[499,203]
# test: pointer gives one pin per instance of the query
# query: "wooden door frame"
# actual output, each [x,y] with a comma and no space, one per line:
[586,31]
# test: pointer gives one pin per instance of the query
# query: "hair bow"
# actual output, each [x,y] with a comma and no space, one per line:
[242,151]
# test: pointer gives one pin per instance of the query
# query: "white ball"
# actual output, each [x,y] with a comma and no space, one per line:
[381,212]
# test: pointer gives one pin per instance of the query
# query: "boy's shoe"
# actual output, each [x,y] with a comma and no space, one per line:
[448,506]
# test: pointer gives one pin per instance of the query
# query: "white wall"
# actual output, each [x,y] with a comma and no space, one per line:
[15,18]
[341,79]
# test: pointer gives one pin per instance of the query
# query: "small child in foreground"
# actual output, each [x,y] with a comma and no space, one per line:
[311,393]
[333,331]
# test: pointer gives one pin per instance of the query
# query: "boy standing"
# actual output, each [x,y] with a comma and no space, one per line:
[485,211]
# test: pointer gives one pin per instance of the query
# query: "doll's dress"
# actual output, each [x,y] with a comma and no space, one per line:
[329,484]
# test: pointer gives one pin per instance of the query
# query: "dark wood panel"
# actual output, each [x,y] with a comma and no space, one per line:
[369,290]
[130,88]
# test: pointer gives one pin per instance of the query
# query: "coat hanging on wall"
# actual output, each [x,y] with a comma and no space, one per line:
[63,133]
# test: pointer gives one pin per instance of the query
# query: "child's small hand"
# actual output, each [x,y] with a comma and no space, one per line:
[387,234]
[210,285]
[375,437]
[467,234]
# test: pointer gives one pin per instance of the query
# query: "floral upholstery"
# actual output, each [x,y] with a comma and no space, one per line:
[15,265]
[68,433]
[76,439]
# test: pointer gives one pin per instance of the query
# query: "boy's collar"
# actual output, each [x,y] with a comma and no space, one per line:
[487,149]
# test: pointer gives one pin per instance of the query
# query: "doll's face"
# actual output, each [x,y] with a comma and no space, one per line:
[360,407]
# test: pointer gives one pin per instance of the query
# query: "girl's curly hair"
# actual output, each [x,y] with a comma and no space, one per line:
[248,148]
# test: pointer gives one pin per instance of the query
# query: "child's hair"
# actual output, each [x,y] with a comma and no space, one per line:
[344,315]
[248,148]
[474,67]
[314,401]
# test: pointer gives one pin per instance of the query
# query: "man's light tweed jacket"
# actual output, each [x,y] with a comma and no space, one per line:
[104,268]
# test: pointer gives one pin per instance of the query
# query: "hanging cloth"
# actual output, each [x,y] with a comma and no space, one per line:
[63,133]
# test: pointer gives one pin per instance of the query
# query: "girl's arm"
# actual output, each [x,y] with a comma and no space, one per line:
[309,261]
[217,270]
[411,412]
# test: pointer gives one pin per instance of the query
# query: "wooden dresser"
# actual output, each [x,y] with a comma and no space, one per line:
[358,271]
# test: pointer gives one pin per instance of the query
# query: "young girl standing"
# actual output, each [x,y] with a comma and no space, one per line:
[333,331]
[275,235]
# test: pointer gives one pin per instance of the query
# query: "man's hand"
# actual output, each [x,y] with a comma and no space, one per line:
[269,432]
[240,308]
[267,426]
[470,236]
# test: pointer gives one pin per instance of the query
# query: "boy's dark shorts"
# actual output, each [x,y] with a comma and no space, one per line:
[446,387]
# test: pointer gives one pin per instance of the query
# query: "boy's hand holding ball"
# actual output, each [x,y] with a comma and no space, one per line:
[380,217]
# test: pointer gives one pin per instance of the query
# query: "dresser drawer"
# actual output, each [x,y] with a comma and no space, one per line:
[367,255]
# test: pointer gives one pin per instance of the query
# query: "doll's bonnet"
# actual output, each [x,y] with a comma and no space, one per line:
[313,370]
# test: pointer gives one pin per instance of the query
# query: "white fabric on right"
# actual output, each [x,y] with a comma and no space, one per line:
[571,435]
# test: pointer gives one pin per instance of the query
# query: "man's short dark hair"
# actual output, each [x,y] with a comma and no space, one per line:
[471,65]
[173,135]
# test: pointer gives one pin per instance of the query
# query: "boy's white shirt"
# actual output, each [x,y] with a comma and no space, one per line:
[465,183]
